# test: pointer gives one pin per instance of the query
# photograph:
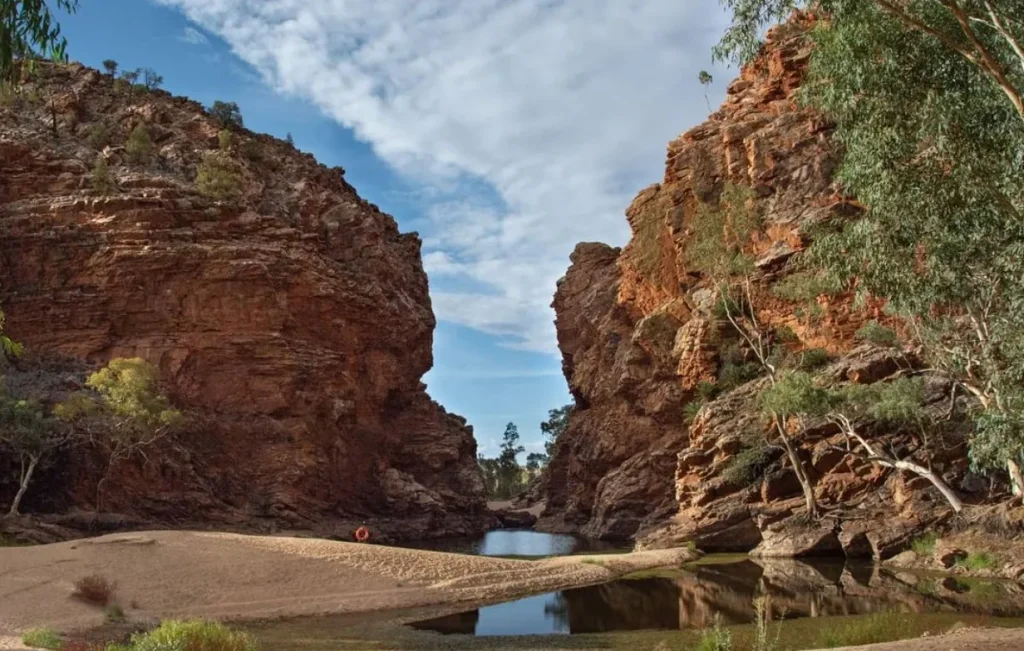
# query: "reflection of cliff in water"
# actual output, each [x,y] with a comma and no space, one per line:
[795,588]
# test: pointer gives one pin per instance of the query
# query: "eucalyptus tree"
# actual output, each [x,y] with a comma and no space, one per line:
[926,98]
[28,29]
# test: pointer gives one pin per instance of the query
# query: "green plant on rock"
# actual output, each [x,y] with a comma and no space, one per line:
[139,146]
[99,135]
[102,182]
[748,465]
[227,114]
[924,545]
[218,177]
[976,561]
[715,638]
[875,333]
[225,140]
[691,409]
[42,638]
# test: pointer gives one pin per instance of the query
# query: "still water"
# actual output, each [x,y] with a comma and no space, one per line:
[691,598]
[507,542]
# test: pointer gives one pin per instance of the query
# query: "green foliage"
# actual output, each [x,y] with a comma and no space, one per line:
[554,426]
[27,427]
[868,629]
[812,358]
[733,374]
[8,347]
[102,182]
[151,80]
[503,476]
[227,114]
[924,545]
[706,390]
[719,233]
[898,402]
[225,139]
[795,392]
[705,78]
[139,146]
[99,135]
[218,177]
[806,286]
[288,139]
[715,638]
[976,561]
[691,409]
[42,638]
[193,635]
[785,335]
[876,333]
[110,66]
[130,391]
[748,465]
[27,29]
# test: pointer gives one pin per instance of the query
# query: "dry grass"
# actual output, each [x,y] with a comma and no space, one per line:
[95,589]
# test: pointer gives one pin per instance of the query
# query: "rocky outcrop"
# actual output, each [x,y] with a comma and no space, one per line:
[293,321]
[642,344]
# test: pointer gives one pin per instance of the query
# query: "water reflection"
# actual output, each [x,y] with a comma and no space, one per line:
[691,600]
[505,542]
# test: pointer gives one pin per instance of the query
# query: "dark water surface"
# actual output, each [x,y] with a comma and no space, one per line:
[691,598]
[509,542]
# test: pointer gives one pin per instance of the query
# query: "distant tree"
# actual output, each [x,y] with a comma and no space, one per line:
[130,79]
[534,462]
[111,67]
[288,139]
[227,114]
[705,79]
[489,469]
[101,181]
[26,27]
[509,471]
[8,347]
[554,426]
[151,80]
[139,146]
[32,434]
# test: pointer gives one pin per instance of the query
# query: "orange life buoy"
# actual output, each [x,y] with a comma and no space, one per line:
[362,534]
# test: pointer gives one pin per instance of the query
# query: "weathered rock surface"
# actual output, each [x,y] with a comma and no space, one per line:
[639,337]
[294,322]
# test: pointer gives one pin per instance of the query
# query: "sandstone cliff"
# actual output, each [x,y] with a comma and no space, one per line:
[639,338]
[293,322]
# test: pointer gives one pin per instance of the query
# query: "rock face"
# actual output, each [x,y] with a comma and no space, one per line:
[293,322]
[640,340]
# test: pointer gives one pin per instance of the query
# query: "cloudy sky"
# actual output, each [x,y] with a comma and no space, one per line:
[503,131]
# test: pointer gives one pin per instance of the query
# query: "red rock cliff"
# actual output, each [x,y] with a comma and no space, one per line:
[294,321]
[638,334]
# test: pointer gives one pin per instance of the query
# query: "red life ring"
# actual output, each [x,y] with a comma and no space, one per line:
[362,534]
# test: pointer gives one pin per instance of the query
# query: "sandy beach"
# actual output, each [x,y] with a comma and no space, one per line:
[227,576]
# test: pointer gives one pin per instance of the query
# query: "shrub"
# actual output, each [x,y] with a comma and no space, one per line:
[691,410]
[99,136]
[715,638]
[8,94]
[924,545]
[41,638]
[706,390]
[225,139]
[979,561]
[813,358]
[748,465]
[194,635]
[805,286]
[785,334]
[218,177]
[151,80]
[101,180]
[110,66]
[139,146]
[253,150]
[732,375]
[114,613]
[94,589]
[877,334]
[227,114]
[130,389]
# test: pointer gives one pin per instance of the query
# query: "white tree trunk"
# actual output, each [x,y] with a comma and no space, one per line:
[1016,479]
[26,477]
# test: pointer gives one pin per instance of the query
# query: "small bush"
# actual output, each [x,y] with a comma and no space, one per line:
[877,334]
[813,358]
[924,545]
[99,136]
[706,390]
[8,94]
[253,150]
[691,410]
[41,638]
[101,179]
[871,629]
[225,139]
[194,635]
[747,466]
[979,561]
[732,375]
[786,335]
[218,177]
[139,146]
[94,589]
[227,114]
[114,613]
[715,638]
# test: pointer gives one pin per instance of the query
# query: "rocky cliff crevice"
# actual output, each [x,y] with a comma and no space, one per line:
[293,321]
[642,342]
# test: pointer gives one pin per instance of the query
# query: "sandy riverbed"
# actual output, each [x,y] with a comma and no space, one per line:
[227,576]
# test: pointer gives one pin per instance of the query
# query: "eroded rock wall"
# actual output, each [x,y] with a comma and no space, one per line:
[294,322]
[638,334]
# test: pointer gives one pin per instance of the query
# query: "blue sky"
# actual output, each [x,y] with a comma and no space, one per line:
[503,131]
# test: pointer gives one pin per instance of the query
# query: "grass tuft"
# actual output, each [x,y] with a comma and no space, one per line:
[94,589]
[924,545]
[979,561]
[42,638]
[192,635]
[872,629]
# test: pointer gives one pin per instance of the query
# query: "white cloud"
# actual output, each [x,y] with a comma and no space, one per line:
[193,36]
[532,121]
